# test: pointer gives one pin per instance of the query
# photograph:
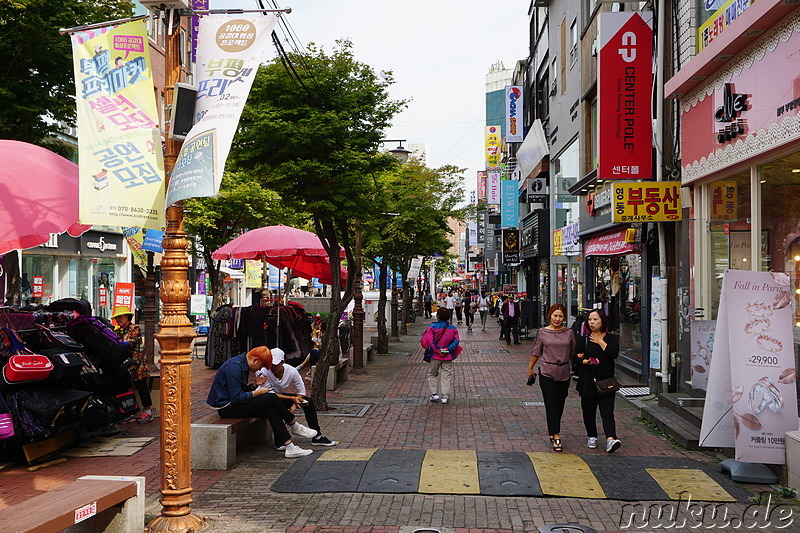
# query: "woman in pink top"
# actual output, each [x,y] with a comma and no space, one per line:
[555,345]
[442,337]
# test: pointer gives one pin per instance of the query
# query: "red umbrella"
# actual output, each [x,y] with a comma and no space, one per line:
[283,247]
[38,196]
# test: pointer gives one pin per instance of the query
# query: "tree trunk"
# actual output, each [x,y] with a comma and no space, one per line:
[383,334]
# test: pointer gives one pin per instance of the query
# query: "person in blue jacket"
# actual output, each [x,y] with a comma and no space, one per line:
[233,396]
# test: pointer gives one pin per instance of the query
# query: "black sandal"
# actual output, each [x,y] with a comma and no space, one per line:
[556,444]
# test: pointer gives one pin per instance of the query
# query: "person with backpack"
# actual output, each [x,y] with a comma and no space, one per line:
[441,338]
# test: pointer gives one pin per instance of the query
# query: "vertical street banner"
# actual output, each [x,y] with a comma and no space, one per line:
[493,188]
[481,186]
[123,295]
[702,339]
[624,96]
[135,238]
[751,400]
[492,137]
[509,213]
[656,317]
[512,104]
[121,167]
[510,246]
[229,50]
[252,274]
[413,271]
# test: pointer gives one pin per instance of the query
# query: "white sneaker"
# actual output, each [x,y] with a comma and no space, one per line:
[293,450]
[444,399]
[591,443]
[434,397]
[613,445]
[302,431]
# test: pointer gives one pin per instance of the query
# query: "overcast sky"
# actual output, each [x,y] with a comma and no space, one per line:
[439,51]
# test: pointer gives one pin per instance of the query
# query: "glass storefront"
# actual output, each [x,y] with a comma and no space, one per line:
[617,290]
[37,279]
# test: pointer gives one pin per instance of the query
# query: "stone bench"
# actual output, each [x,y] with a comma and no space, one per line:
[113,504]
[337,374]
[214,439]
[369,353]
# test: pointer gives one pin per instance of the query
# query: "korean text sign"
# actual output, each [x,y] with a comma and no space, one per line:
[229,50]
[492,137]
[624,96]
[646,201]
[121,168]
[123,295]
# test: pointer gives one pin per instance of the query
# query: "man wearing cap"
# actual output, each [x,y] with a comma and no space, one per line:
[287,384]
[132,335]
[233,396]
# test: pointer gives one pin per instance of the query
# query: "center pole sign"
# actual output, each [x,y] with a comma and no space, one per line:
[624,96]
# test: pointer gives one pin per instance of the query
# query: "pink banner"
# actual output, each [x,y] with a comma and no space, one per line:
[611,243]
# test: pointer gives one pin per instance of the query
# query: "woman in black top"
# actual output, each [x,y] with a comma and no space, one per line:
[594,360]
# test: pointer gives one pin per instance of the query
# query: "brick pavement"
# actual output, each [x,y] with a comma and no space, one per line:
[486,414]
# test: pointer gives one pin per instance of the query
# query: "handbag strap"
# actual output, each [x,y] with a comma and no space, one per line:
[436,341]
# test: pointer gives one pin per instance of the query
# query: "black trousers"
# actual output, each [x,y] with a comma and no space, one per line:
[555,396]
[470,318]
[458,314]
[589,405]
[144,393]
[266,406]
[309,410]
[511,325]
[427,306]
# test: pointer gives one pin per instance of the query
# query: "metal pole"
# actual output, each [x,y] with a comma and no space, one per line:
[394,334]
[358,309]
[175,337]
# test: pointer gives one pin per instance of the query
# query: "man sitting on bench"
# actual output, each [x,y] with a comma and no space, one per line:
[234,397]
[287,384]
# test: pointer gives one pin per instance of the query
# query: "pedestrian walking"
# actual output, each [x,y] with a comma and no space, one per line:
[427,304]
[594,361]
[450,303]
[470,306]
[458,302]
[511,313]
[442,338]
[483,309]
[554,347]
[132,335]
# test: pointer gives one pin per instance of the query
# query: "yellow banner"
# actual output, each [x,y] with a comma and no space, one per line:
[119,142]
[558,242]
[723,17]
[647,201]
[135,238]
[723,200]
[252,274]
[492,134]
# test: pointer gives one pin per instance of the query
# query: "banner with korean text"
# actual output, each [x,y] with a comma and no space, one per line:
[751,401]
[624,96]
[481,186]
[511,246]
[492,139]
[119,147]
[229,50]
[512,108]
[647,201]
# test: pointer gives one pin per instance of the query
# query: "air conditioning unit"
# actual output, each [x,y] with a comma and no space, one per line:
[165,4]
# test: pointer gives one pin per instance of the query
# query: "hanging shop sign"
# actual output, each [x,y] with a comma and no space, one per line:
[611,243]
[229,51]
[481,186]
[723,200]
[510,246]
[509,204]
[566,240]
[646,201]
[537,192]
[558,242]
[493,188]
[751,401]
[513,107]
[119,146]
[492,138]
[99,244]
[624,96]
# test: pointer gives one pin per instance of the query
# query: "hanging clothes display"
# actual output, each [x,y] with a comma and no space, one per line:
[220,346]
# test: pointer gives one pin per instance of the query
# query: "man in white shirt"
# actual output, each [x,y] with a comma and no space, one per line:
[450,303]
[287,384]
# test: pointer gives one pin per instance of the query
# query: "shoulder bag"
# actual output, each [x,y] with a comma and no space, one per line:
[605,386]
[429,350]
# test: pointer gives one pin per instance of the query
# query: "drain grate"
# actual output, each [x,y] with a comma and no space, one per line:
[634,391]
[533,404]
[355,410]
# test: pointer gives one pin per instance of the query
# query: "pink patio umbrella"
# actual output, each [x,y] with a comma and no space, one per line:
[283,247]
[38,196]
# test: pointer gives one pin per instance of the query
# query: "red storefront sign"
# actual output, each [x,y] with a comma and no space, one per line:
[38,286]
[624,96]
[611,243]
[102,294]
[123,295]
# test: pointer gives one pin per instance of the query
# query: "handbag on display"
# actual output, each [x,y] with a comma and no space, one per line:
[67,365]
[50,338]
[126,403]
[27,367]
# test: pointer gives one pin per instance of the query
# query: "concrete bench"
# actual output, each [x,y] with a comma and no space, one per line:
[214,439]
[337,374]
[114,504]
[369,353]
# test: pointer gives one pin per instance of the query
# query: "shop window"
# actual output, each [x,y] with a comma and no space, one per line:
[729,229]
[37,279]
[617,287]
[780,219]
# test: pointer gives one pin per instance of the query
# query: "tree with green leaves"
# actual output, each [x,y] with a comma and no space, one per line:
[311,131]
[416,202]
[242,204]
[37,84]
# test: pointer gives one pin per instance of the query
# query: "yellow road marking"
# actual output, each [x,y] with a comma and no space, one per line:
[348,454]
[565,474]
[684,482]
[449,472]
